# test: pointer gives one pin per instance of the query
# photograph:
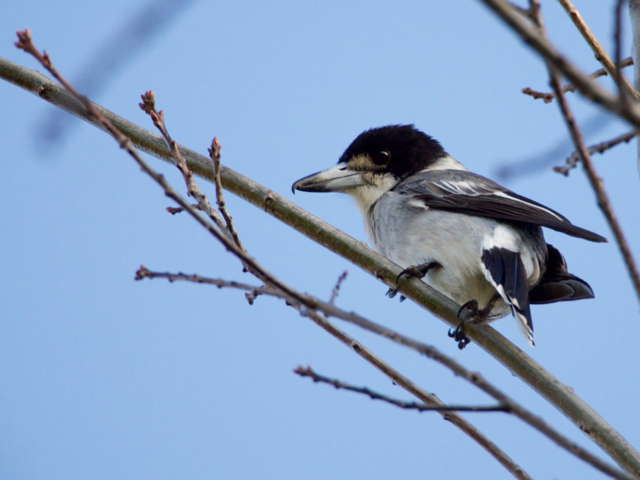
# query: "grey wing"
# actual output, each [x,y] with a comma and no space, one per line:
[465,192]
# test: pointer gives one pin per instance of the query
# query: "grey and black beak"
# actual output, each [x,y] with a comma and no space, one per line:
[334,179]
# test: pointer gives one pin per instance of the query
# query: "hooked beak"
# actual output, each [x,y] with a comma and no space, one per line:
[334,179]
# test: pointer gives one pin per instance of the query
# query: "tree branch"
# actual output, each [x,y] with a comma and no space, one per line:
[596,182]
[429,351]
[486,337]
[572,160]
[600,53]
[570,87]
[597,185]
[214,154]
[143,273]
[148,106]
[586,86]
[297,301]
[421,407]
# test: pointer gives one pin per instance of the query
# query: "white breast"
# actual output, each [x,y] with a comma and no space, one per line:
[409,233]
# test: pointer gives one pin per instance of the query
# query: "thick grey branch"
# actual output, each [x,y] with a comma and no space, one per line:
[486,337]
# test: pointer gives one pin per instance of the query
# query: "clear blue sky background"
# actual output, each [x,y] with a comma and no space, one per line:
[102,377]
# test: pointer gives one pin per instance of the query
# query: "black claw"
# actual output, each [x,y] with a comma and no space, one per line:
[417,271]
[414,271]
[458,335]
[467,313]
[408,272]
[470,313]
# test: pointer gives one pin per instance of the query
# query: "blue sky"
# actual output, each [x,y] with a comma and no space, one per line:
[104,377]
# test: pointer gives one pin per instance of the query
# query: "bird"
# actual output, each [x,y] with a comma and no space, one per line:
[476,242]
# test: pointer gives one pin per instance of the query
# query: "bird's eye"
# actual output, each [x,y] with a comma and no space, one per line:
[383,157]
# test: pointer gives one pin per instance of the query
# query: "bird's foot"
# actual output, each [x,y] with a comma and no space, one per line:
[392,292]
[469,313]
[458,335]
[414,271]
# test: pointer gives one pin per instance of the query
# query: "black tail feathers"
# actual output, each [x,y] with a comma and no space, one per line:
[557,284]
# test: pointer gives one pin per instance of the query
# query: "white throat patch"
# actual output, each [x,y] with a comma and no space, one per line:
[365,196]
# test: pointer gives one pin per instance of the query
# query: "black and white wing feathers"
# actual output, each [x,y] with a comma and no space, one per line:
[461,191]
[505,271]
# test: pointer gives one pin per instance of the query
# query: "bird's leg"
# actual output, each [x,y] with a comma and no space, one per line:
[414,271]
[470,313]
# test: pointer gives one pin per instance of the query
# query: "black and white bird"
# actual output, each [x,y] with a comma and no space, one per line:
[478,243]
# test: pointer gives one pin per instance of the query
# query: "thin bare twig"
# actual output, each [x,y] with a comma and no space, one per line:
[597,185]
[174,210]
[600,53]
[252,291]
[546,97]
[572,160]
[429,351]
[421,407]
[535,15]
[148,106]
[549,96]
[336,289]
[214,153]
[143,272]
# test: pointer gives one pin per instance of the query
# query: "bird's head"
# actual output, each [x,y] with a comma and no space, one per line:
[376,161]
